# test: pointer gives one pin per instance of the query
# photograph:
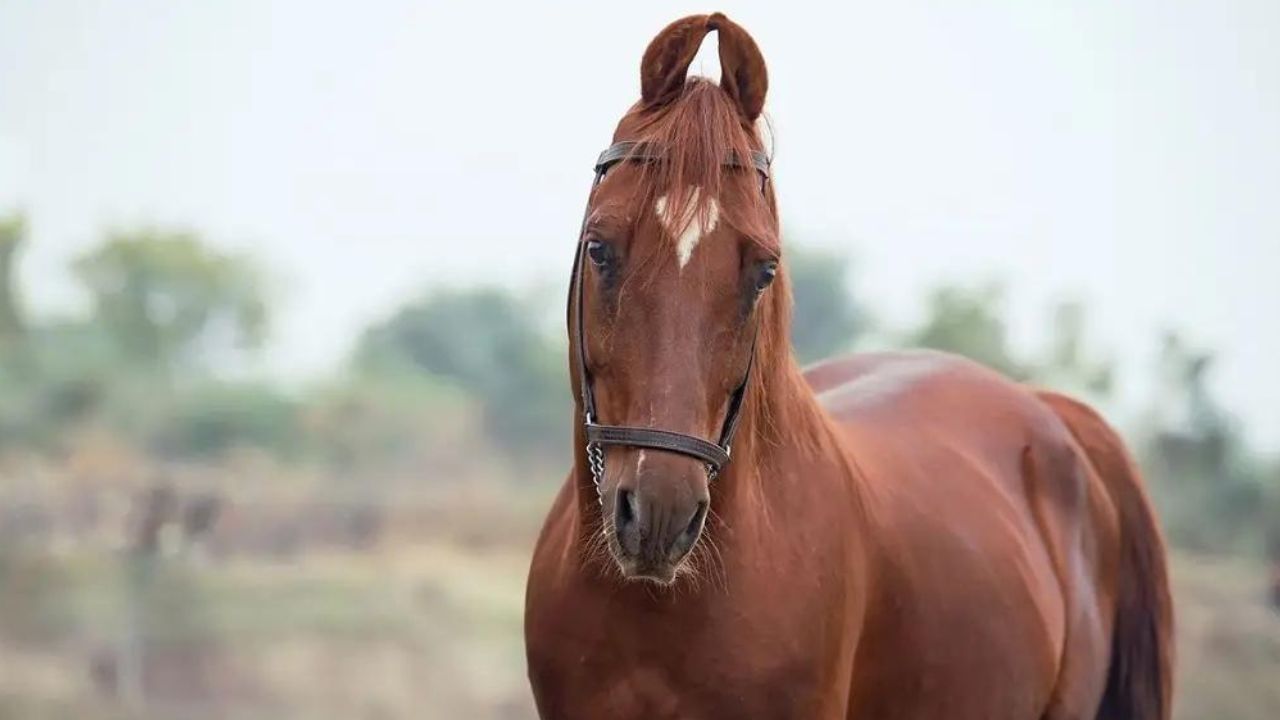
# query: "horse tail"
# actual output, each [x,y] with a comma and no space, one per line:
[1140,676]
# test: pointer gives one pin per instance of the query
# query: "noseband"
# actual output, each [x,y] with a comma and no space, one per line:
[715,455]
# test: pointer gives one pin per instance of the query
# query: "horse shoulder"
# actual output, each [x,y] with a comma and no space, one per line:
[547,615]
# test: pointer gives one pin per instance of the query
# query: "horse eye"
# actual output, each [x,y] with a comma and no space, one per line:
[768,272]
[599,253]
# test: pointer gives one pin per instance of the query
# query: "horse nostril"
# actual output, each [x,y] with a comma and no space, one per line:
[695,523]
[626,521]
[685,540]
[624,508]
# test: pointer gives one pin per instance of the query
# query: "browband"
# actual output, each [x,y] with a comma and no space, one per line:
[633,150]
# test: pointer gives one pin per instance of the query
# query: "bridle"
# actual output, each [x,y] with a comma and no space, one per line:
[715,455]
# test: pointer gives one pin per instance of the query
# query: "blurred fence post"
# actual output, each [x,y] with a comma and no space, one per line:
[139,571]
[152,510]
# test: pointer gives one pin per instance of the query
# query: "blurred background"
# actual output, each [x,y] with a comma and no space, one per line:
[283,389]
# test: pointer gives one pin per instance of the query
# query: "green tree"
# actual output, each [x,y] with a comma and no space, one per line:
[162,295]
[13,231]
[1210,488]
[486,342]
[968,321]
[827,318]
[1068,366]
[63,374]
[207,419]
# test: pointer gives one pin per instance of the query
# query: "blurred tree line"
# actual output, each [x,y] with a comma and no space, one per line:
[456,372]
[170,319]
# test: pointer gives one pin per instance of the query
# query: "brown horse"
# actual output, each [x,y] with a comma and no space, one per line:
[898,535]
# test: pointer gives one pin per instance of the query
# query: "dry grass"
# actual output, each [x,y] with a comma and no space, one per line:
[1228,641]
[433,629]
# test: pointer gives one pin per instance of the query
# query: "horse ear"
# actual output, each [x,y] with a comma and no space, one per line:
[666,60]
[742,72]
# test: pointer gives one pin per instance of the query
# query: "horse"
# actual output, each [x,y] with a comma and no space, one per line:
[887,535]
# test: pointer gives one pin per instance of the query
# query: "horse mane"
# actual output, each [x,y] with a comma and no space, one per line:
[697,131]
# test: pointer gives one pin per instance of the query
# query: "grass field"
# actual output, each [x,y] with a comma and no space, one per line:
[417,630]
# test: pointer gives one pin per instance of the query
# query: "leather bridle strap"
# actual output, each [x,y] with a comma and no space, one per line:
[714,455]
[709,453]
[633,150]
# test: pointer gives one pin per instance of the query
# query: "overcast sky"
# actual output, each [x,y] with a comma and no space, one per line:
[1127,153]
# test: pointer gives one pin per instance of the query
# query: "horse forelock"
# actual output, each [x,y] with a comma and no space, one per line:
[697,131]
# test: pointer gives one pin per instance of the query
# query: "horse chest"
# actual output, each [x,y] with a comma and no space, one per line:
[674,671]
[676,690]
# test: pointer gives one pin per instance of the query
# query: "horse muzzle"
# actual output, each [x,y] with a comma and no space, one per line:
[652,535]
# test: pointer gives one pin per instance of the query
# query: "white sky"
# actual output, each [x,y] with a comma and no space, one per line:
[1124,152]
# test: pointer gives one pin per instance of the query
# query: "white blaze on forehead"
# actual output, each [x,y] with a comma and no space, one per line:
[692,227]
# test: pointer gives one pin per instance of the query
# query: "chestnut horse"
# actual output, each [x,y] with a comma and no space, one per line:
[897,535]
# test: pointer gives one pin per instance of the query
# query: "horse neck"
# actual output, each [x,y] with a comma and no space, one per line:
[783,426]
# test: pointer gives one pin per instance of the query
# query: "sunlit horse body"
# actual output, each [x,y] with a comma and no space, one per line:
[899,535]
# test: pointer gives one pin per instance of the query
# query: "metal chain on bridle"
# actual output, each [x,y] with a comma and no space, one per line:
[713,455]
[595,458]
